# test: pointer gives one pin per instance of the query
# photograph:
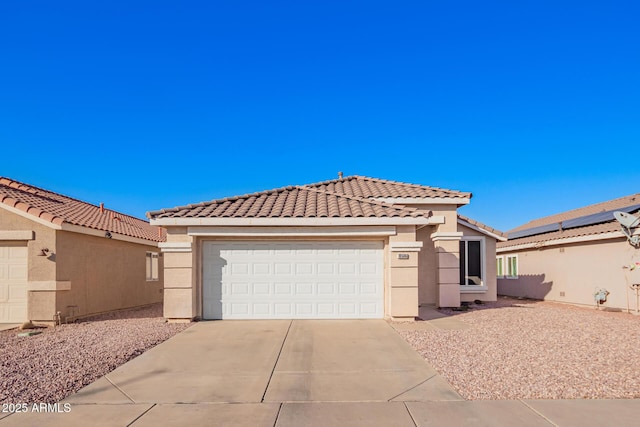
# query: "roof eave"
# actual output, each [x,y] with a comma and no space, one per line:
[292,222]
[481,230]
[559,241]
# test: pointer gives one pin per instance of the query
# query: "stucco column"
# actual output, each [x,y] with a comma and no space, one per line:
[180,294]
[403,273]
[447,246]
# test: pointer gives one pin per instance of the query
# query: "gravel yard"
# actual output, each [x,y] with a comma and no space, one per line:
[46,368]
[519,349]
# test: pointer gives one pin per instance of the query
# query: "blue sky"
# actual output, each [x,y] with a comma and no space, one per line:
[533,106]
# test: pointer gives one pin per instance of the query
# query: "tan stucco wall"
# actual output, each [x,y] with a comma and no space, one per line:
[105,274]
[41,304]
[427,268]
[181,293]
[575,270]
[183,283]
[40,268]
[489,268]
[403,291]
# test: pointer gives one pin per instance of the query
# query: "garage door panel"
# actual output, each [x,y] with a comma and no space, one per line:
[280,280]
[281,268]
[261,289]
[304,268]
[304,290]
[261,268]
[368,309]
[326,289]
[326,268]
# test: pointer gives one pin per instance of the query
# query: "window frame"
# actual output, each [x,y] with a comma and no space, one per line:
[508,274]
[464,288]
[152,266]
[500,271]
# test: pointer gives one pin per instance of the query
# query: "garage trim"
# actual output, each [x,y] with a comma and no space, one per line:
[366,231]
[360,295]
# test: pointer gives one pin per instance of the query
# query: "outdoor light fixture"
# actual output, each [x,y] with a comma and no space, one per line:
[107,235]
[44,252]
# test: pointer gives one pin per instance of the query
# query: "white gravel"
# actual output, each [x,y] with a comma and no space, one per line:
[48,367]
[518,349]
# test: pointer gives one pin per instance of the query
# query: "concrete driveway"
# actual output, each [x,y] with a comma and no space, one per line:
[258,365]
[296,373]
[272,361]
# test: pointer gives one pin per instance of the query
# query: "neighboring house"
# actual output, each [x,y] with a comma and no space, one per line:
[355,247]
[62,255]
[568,256]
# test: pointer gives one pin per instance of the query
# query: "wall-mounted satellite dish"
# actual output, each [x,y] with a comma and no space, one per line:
[628,223]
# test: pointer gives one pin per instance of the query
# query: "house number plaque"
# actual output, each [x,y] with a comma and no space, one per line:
[403,256]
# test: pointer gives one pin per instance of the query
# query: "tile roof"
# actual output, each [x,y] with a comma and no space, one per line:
[621,202]
[587,230]
[349,197]
[482,226]
[58,209]
[290,202]
[362,186]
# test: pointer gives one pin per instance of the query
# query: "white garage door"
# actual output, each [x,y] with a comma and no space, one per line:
[292,280]
[13,283]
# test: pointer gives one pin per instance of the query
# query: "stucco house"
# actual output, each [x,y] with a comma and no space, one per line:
[353,247]
[62,255]
[567,257]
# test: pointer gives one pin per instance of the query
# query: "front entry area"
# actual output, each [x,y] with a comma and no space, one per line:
[293,280]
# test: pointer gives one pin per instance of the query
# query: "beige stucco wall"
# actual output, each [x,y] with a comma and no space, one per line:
[440,258]
[403,274]
[489,268]
[40,268]
[105,274]
[183,283]
[571,273]
[427,268]
[429,260]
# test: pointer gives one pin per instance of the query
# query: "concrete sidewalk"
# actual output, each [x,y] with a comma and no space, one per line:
[300,373]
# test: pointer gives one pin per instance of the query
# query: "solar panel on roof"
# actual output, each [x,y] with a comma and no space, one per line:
[597,218]
[534,230]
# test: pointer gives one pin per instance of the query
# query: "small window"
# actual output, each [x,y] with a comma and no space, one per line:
[512,266]
[471,263]
[500,266]
[152,266]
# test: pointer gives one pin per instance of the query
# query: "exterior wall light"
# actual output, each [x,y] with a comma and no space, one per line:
[44,252]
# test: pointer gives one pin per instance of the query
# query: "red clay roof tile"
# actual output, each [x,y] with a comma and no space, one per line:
[58,209]
[290,202]
[368,187]
[483,226]
[346,198]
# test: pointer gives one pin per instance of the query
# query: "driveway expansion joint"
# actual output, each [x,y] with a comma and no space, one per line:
[119,389]
[410,414]
[537,413]
[411,388]
[142,414]
[284,340]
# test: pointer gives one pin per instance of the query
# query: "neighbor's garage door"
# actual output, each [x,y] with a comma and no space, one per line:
[292,280]
[13,283]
